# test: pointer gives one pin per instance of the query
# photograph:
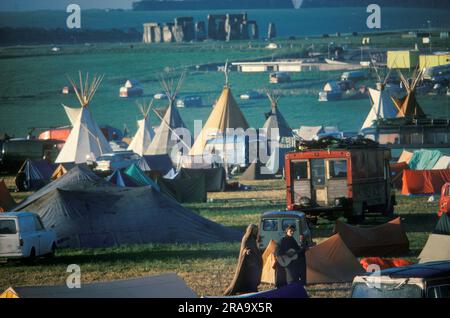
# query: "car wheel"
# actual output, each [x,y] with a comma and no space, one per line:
[52,253]
[31,257]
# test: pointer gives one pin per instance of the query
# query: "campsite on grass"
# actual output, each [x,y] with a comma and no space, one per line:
[233,180]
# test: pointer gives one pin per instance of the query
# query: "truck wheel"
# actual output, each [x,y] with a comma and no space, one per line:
[31,257]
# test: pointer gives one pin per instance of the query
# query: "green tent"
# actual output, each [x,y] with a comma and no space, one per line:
[424,159]
[139,176]
[184,189]
[443,226]
[215,178]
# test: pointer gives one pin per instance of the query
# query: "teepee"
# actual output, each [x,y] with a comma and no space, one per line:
[166,136]
[226,114]
[86,141]
[144,135]
[408,105]
[275,120]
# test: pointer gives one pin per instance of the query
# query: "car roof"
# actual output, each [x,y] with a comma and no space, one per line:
[16,214]
[424,270]
[278,214]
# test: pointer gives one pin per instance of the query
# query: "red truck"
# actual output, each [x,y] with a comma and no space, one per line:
[444,202]
[330,183]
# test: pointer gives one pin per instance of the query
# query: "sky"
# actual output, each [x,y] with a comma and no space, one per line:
[24,5]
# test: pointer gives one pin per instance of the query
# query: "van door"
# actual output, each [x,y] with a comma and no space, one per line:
[41,236]
[9,237]
[318,181]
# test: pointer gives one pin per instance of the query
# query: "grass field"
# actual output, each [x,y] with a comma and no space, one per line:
[207,268]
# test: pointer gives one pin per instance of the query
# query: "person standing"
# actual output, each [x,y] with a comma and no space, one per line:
[249,269]
[291,261]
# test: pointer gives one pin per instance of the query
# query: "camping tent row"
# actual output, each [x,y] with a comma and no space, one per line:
[421,172]
[334,260]
[88,211]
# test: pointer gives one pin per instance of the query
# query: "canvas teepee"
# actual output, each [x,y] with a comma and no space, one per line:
[382,106]
[86,141]
[166,136]
[408,105]
[144,135]
[275,119]
[226,114]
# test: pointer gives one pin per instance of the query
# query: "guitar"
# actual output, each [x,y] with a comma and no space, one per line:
[285,260]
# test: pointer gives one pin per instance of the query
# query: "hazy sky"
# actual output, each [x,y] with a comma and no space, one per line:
[13,5]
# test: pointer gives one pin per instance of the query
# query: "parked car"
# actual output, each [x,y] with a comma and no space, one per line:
[427,280]
[190,101]
[444,202]
[279,77]
[273,224]
[116,161]
[22,235]
[251,95]
[160,95]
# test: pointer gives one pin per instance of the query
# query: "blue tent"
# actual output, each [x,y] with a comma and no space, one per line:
[121,179]
[140,178]
[34,174]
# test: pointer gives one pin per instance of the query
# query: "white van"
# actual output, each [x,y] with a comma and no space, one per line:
[22,235]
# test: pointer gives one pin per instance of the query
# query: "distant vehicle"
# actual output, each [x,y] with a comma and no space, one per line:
[14,152]
[66,90]
[273,224]
[332,91]
[328,183]
[353,76]
[160,95]
[189,101]
[272,46]
[279,77]
[116,160]
[427,280]
[437,74]
[251,95]
[444,202]
[131,89]
[22,235]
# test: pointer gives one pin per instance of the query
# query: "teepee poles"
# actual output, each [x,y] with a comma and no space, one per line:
[85,91]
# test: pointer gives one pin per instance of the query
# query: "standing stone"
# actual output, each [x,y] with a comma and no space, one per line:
[167,33]
[200,31]
[253,30]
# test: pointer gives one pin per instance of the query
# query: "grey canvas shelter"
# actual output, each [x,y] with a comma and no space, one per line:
[184,188]
[161,286]
[436,249]
[253,172]
[215,178]
[159,163]
[94,213]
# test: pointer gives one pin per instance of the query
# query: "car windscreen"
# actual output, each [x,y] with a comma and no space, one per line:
[385,290]
[8,227]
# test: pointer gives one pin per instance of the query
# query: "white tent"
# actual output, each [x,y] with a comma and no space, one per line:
[382,107]
[436,249]
[144,135]
[86,141]
[443,163]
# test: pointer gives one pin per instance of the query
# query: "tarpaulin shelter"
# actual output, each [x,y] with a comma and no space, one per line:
[184,189]
[424,159]
[160,286]
[34,174]
[121,179]
[443,225]
[405,156]
[226,114]
[61,170]
[159,163]
[215,178]
[436,249]
[397,173]
[382,240]
[139,177]
[328,262]
[442,163]
[90,214]
[419,182]
[383,263]
[6,200]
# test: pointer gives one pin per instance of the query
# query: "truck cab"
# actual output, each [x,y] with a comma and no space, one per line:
[22,235]
[273,224]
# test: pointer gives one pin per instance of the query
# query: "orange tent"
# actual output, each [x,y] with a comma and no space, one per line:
[424,181]
[383,240]
[328,262]
[384,263]
[397,173]
[6,201]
